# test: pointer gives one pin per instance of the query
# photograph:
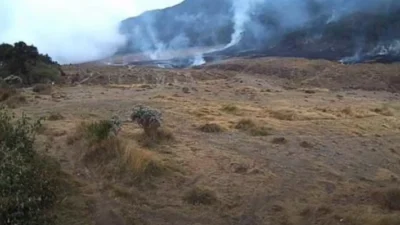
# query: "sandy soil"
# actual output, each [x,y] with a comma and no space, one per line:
[317,153]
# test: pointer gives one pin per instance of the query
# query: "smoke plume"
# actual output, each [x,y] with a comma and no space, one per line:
[325,28]
[70,31]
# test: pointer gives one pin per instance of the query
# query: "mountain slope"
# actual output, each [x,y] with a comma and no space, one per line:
[349,30]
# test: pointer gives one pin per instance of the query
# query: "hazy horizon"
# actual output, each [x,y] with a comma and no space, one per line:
[71,31]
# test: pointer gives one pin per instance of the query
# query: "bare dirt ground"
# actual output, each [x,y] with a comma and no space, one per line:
[315,152]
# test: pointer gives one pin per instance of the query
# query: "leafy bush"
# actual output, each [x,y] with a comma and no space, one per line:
[26,62]
[148,119]
[27,184]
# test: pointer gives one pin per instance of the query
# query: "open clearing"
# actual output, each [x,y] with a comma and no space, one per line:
[266,141]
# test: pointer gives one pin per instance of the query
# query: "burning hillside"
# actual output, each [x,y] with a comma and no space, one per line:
[346,31]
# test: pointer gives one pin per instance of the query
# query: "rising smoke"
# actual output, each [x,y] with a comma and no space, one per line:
[247,24]
[70,31]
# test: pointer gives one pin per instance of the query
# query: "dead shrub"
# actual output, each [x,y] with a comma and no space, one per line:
[211,128]
[200,196]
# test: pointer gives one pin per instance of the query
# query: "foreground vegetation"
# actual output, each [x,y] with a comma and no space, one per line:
[28,183]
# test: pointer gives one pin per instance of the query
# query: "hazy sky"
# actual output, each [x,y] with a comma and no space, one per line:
[70,30]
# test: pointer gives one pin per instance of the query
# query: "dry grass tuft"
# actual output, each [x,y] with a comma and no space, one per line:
[161,136]
[141,163]
[260,131]
[211,128]
[114,156]
[250,126]
[230,108]
[102,152]
[385,110]
[200,196]
[284,114]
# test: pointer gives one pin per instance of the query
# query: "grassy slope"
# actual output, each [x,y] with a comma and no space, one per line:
[323,158]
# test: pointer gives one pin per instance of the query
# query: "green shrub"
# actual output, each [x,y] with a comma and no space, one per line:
[101,130]
[28,185]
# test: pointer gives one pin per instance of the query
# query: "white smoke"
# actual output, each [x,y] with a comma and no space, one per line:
[70,31]
[198,60]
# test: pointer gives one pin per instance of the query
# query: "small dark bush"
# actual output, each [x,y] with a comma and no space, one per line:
[211,128]
[44,89]
[185,90]
[245,124]
[55,116]
[200,196]
[389,199]
[28,183]
[279,140]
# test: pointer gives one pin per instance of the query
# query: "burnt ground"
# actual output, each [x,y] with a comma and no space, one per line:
[325,140]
